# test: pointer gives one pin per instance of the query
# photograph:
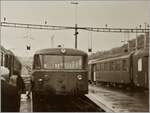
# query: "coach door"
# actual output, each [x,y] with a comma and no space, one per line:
[94,73]
[145,70]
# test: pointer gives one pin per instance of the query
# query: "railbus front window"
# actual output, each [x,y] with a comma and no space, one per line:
[52,62]
[62,62]
[74,61]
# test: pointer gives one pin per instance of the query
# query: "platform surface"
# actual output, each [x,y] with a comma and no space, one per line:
[119,101]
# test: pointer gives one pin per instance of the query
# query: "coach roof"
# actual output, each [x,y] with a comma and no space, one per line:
[56,51]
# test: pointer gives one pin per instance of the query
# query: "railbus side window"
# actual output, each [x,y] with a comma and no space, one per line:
[84,62]
[37,62]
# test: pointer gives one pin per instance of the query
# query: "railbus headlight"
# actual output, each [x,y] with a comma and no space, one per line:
[79,77]
[40,80]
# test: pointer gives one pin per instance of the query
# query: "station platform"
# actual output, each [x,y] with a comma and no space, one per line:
[108,99]
[26,104]
[117,101]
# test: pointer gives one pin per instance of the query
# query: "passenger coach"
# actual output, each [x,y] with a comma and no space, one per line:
[60,71]
[130,69]
[10,61]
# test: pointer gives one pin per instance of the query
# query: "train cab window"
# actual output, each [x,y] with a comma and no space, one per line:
[140,64]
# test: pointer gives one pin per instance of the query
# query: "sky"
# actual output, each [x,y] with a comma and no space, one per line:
[123,14]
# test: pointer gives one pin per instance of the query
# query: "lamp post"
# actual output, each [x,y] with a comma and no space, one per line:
[76,21]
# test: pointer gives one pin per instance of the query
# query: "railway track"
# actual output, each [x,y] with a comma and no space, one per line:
[65,104]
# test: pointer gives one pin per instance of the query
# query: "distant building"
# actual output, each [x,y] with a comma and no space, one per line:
[141,42]
[24,70]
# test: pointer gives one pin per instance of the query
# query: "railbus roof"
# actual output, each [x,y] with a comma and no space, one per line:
[60,51]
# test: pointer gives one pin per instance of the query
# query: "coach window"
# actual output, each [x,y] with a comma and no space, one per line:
[102,66]
[112,66]
[140,64]
[1,59]
[6,60]
[97,67]
[124,65]
[94,67]
[118,65]
[105,66]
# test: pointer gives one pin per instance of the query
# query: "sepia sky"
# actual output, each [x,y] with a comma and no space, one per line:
[124,14]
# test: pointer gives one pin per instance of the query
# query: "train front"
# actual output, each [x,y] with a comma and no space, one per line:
[60,72]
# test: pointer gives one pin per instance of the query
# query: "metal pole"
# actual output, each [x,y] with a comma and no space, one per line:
[76,33]
[136,41]
[76,21]
[52,41]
